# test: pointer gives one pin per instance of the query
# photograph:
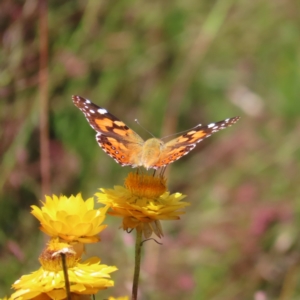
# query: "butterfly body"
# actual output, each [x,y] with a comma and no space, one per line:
[152,149]
[127,148]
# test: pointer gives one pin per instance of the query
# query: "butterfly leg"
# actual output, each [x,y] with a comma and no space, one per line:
[162,171]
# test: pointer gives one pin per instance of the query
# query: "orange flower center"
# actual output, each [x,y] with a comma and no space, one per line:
[51,258]
[145,186]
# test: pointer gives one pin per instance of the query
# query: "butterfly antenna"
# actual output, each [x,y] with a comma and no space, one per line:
[177,133]
[137,121]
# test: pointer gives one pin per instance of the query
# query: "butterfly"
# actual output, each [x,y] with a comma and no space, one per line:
[127,148]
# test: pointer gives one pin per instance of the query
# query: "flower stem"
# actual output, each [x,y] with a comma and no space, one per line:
[66,275]
[138,250]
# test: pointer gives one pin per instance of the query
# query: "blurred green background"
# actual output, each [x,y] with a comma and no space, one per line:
[172,65]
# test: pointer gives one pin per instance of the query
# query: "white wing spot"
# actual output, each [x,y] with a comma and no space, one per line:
[102,111]
[92,111]
[211,125]
[88,101]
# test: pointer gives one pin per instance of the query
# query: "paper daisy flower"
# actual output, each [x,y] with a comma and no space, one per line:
[86,278]
[71,218]
[143,202]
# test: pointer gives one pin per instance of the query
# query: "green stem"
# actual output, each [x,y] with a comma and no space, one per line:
[65,270]
[137,266]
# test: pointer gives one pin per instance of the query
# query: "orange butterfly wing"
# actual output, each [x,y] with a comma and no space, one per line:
[182,145]
[113,136]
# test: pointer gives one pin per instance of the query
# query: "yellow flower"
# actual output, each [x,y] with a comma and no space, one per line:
[58,296]
[71,218]
[48,282]
[119,298]
[143,203]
